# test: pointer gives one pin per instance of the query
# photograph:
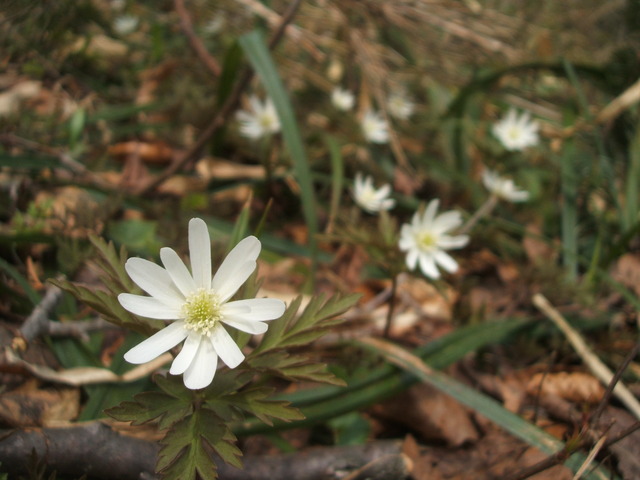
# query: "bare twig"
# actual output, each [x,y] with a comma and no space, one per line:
[612,384]
[37,323]
[78,329]
[195,42]
[221,116]
[599,369]
[485,209]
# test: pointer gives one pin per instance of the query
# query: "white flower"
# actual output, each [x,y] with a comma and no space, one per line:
[503,187]
[399,105]
[375,128]
[198,306]
[516,132]
[425,240]
[125,24]
[369,198]
[342,99]
[261,120]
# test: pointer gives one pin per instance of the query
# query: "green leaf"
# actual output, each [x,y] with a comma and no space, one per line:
[157,407]
[257,401]
[117,281]
[186,451]
[258,54]
[275,353]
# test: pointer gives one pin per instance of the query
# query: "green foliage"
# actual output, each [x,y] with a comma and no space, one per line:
[116,281]
[198,423]
[276,353]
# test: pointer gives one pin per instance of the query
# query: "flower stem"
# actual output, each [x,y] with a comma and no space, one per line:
[485,209]
[392,304]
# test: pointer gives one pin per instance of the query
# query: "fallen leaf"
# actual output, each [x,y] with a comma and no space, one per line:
[431,414]
[578,387]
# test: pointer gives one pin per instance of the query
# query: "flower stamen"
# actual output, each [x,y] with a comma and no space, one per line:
[202,311]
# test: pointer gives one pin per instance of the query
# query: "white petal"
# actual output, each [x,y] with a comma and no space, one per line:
[157,344]
[225,347]
[187,354]
[200,253]
[149,307]
[177,270]
[412,258]
[235,308]
[445,261]
[153,279]
[230,285]
[448,242]
[236,268]
[428,266]
[259,308]
[430,212]
[203,367]
[246,325]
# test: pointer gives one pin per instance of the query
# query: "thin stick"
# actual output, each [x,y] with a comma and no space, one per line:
[37,323]
[599,369]
[485,209]
[589,460]
[221,116]
[392,304]
[195,42]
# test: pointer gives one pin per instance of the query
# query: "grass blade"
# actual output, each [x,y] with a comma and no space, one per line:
[256,50]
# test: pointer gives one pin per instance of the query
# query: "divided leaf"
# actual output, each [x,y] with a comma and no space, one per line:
[186,452]
[257,401]
[276,354]
[117,281]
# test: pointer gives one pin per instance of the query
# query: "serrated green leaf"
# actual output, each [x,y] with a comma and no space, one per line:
[277,327]
[186,449]
[257,402]
[115,278]
[156,407]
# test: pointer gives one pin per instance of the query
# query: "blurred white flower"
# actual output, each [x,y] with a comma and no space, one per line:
[214,25]
[368,197]
[342,99]
[374,127]
[261,120]
[503,187]
[516,132]
[399,105]
[425,240]
[125,24]
[198,306]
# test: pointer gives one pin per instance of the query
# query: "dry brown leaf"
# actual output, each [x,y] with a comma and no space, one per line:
[31,406]
[537,249]
[155,153]
[578,387]
[431,414]
[627,271]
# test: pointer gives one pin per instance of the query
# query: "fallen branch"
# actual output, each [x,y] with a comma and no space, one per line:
[99,452]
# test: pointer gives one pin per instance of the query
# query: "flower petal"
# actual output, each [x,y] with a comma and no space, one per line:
[202,369]
[412,258]
[236,268]
[445,261]
[177,270]
[149,307]
[428,266]
[187,354]
[153,279]
[200,253]
[225,347]
[259,308]
[157,344]
[246,325]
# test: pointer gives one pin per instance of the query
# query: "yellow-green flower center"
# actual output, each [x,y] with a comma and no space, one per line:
[426,241]
[514,133]
[266,121]
[201,311]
